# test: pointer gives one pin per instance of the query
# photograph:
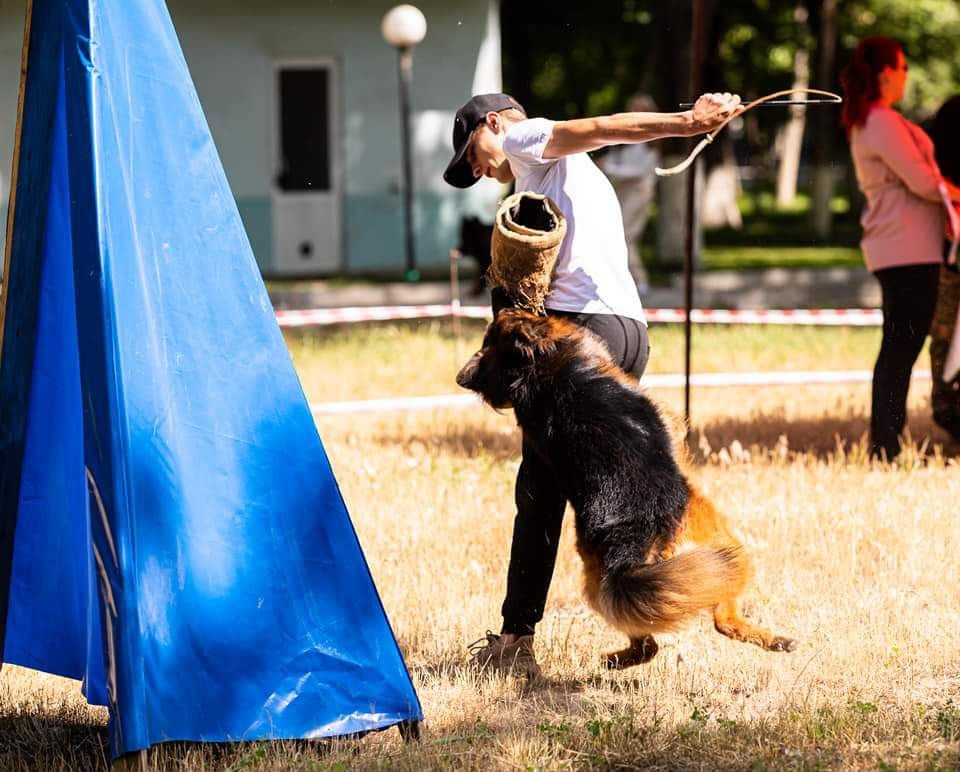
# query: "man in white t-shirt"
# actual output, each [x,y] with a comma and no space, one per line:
[591,285]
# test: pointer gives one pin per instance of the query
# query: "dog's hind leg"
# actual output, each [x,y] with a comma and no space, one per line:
[640,651]
[728,622]
[706,526]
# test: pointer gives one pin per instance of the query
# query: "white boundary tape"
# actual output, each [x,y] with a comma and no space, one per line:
[835,317]
[395,404]
[653,381]
[321,316]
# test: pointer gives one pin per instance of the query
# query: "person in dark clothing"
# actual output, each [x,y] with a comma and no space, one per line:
[590,284]
[539,496]
[945,396]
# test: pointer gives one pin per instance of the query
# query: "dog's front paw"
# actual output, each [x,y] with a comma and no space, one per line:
[781,644]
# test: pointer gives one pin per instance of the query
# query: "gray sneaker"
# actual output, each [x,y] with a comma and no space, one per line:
[490,652]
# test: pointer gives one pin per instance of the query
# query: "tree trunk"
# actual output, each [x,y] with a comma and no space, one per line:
[825,123]
[791,136]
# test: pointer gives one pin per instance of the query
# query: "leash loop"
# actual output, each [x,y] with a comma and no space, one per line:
[708,138]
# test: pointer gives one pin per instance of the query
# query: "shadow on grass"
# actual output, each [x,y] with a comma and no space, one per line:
[544,687]
[855,735]
[463,441]
[256,754]
[32,741]
[823,437]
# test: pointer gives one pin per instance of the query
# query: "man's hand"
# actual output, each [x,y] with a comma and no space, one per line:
[710,110]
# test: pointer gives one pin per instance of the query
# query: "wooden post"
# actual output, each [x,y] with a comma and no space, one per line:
[12,201]
[18,294]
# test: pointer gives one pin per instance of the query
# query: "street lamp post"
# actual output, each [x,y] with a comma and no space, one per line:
[403,27]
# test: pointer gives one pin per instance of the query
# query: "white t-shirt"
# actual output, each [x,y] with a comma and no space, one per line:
[591,274]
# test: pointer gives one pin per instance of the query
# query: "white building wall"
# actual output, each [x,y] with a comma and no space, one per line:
[231,47]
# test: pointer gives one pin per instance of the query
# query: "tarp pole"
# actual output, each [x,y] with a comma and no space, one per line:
[696,69]
[9,480]
[12,200]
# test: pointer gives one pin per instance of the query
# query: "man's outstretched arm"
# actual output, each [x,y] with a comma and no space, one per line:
[582,135]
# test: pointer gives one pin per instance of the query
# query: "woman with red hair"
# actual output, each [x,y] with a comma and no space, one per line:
[903,224]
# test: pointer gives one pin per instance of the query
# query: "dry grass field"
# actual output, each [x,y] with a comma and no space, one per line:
[856,560]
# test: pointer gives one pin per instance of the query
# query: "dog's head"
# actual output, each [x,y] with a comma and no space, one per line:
[519,350]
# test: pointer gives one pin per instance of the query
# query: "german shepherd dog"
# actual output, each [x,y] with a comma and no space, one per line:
[655,551]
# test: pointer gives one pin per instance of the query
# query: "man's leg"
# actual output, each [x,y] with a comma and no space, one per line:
[533,554]
[536,537]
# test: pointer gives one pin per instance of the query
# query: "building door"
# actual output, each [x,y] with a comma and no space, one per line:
[306,192]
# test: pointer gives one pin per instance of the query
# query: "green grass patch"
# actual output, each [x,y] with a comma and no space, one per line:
[764,202]
[771,237]
[718,258]
[372,361]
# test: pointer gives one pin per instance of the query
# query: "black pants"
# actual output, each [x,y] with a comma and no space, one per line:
[909,299]
[539,494]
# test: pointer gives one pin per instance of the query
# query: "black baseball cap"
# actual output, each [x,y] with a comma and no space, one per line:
[458,173]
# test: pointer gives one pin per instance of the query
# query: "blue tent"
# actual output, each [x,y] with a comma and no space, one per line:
[171,530]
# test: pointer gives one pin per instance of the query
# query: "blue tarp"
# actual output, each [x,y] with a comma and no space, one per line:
[180,541]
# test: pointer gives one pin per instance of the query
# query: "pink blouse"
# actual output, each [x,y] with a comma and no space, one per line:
[903,219]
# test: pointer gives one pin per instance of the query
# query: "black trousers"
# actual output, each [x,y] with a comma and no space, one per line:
[539,495]
[909,300]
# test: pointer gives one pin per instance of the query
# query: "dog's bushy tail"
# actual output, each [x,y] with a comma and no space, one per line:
[641,599]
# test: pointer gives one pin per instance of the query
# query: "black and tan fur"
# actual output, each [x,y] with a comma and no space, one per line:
[655,551]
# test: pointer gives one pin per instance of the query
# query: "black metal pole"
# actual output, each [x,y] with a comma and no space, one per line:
[696,69]
[406,73]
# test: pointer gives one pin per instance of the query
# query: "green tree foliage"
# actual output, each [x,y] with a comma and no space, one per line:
[930,33]
[569,57]
[566,58]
